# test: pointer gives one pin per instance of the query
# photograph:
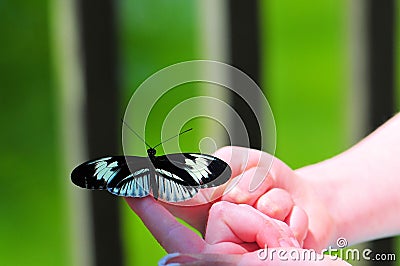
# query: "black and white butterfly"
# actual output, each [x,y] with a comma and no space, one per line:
[173,177]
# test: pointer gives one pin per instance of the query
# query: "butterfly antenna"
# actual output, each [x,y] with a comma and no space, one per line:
[134,132]
[187,130]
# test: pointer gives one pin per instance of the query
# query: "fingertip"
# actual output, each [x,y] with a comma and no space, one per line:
[172,235]
[298,223]
[138,205]
[276,203]
[225,153]
[239,189]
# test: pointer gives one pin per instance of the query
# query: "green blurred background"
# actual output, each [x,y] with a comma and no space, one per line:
[305,77]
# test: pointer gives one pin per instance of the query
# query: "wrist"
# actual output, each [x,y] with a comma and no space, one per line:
[324,188]
[356,197]
[359,187]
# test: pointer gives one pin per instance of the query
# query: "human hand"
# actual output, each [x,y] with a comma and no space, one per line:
[281,194]
[276,257]
[236,234]
[231,229]
[269,185]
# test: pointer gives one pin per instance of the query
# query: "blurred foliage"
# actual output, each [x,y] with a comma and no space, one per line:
[305,75]
[32,219]
[154,34]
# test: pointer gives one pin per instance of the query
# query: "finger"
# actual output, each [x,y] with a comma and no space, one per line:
[272,257]
[171,234]
[239,190]
[276,203]
[196,216]
[241,158]
[204,259]
[234,223]
[208,259]
[231,248]
[286,256]
[298,223]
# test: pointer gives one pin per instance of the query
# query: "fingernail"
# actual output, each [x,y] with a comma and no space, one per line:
[202,259]
[295,242]
[165,259]
[285,243]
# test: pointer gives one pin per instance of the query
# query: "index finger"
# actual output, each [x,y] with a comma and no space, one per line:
[241,159]
[172,235]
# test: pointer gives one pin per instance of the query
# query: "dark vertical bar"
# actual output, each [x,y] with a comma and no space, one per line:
[245,55]
[98,46]
[381,54]
[381,72]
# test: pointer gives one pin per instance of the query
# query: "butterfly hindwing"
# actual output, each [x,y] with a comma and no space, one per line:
[137,185]
[173,177]
[170,190]
[138,180]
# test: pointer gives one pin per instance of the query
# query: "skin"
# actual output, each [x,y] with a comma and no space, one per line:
[225,232]
[226,241]
[353,195]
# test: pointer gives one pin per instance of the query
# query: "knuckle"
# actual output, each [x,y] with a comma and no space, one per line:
[218,209]
[236,195]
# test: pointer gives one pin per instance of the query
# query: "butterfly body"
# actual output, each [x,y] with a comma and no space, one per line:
[173,177]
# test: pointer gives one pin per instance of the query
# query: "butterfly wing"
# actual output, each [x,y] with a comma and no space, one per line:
[138,181]
[173,177]
[111,173]
[170,187]
[95,174]
[195,169]
[179,176]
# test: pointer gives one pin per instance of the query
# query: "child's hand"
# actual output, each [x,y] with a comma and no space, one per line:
[267,184]
[231,229]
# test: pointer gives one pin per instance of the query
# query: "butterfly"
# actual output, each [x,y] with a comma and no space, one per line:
[172,177]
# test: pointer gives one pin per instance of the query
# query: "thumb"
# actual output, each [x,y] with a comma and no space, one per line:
[172,235]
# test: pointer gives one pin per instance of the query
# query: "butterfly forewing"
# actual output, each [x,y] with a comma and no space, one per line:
[173,177]
[195,169]
[96,174]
